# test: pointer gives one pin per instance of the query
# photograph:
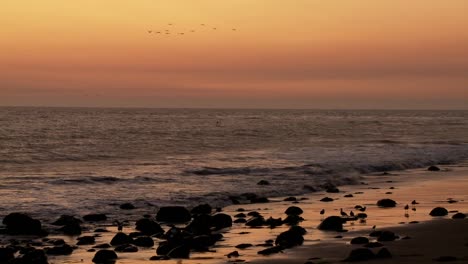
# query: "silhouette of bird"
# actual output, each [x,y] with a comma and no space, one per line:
[351,213]
[374,227]
[362,209]
[119,225]
[414,209]
[406,207]
[414,202]
[343,213]
[322,212]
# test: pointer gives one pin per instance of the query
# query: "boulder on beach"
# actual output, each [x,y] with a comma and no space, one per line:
[95,217]
[332,189]
[290,199]
[23,224]
[359,240]
[256,221]
[85,240]
[121,239]
[220,221]
[35,256]
[180,252]
[326,199]
[173,214]
[459,216]
[201,224]
[384,254]
[61,250]
[71,229]
[105,256]
[438,211]
[332,223]
[433,168]
[201,209]
[271,250]
[360,254]
[6,254]
[66,220]
[293,210]
[143,241]
[148,227]
[387,236]
[386,203]
[126,248]
[263,182]
[127,206]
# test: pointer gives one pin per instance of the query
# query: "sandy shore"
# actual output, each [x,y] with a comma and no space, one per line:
[430,237]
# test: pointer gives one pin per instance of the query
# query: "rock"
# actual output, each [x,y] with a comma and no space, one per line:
[233,254]
[22,224]
[290,199]
[384,254]
[293,210]
[95,217]
[59,250]
[259,200]
[244,246]
[439,211]
[360,254]
[332,189]
[446,259]
[326,199]
[220,221]
[66,220]
[203,242]
[240,221]
[6,254]
[105,256]
[459,216]
[105,245]
[201,209]
[387,236]
[373,245]
[386,203]
[35,256]
[254,214]
[332,223]
[293,220]
[121,239]
[181,252]
[433,168]
[148,227]
[240,215]
[85,240]
[263,182]
[272,222]
[361,215]
[126,248]
[200,224]
[127,206]
[349,196]
[359,240]
[71,229]
[291,238]
[309,188]
[271,250]
[256,222]
[143,241]
[173,214]
[160,258]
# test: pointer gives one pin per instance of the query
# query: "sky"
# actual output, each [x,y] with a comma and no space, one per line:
[338,54]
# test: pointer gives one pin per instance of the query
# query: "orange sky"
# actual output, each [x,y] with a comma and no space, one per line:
[284,54]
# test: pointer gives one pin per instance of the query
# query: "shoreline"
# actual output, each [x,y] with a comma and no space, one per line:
[451,181]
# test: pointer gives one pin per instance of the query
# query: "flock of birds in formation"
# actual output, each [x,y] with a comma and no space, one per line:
[169,32]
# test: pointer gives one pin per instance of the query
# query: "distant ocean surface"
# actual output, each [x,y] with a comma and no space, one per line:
[71,160]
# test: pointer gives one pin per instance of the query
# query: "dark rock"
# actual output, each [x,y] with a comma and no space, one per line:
[22,224]
[254,214]
[233,254]
[293,210]
[309,188]
[95,218]
[126,248]
[375,233]
[387,236]
[220,221]
[59,250]
[290,199]
[173,214]
[71,229]
[86,240]
[293,220]
[101,230]
[143,241]
[383,254]
[326,199]
[291,238]
[34,256]
[332,223]
[373,245]
[359,240]
[439,211]
[360,254]
[202,243]
[127,206]
[240,221]
[160,258]
[433,168]
[105,256]
[181,252]
[240,215]
[57,242]
[332,189]
[349,196]
[274,222]
[201,209]
[148,227]
[121,239]
[271,250]
[259,200]
[446,259]
[459,216]
[244,246]
[66,220]
[6,254]
[256,222]
[91,250]
[386,203]
[263,182]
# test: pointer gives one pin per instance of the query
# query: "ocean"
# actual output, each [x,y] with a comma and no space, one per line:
[57,161]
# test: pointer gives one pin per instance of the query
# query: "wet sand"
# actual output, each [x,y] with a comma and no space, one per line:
[430,237]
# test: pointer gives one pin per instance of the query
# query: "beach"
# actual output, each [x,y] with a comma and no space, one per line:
[421,237]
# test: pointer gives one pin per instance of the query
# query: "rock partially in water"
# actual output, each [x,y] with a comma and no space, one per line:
[332,223]
[143,241]
[384,253]
[23,224]
[173,214]
[459,216]
[121,239]
[439,211]
[127,206]
[360,254]
[386,203]
[293,210]
[95,217]
[220,221]
[359,240]
[62,250]
[433,168]
[105,256]
[148,227]
[201,209]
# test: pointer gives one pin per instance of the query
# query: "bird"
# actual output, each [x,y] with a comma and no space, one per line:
[414,202]
[343,213]
[374,227]
[119,225]
[362,209]
[414,209]
[322,212]
[406,207]
[351,213]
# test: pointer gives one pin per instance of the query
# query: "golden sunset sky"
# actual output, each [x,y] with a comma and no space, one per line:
[284,54]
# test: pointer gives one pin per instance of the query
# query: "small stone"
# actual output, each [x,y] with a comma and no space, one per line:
[433,168]
[438,211]
[386,203]
[359,240]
